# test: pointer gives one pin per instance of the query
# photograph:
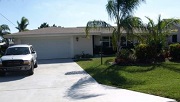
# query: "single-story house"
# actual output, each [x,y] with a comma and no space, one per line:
[175,35]
[60,42]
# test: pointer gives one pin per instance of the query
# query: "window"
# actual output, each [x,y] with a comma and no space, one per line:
[107,41]
[32,50]
[17,51]
[174,38]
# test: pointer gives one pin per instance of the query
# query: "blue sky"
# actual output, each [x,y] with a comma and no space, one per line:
[74,13]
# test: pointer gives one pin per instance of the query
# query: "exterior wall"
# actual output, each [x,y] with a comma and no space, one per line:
[83,44]
[178,35]
[174,33]
[17,41]
[169,39]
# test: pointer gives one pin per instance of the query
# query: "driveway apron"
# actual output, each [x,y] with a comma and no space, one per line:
[62,80]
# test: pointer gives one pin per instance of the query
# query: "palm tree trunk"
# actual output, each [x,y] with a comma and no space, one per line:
[119,37]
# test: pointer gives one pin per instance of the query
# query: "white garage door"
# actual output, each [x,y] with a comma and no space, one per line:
[50,47]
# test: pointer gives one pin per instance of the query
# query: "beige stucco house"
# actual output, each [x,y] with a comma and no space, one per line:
[60,42]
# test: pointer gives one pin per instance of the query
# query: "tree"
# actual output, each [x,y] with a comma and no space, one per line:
[43,25]
[4,29]
[130,25]
[157,33]
[121,11]
[96,24]
[23,24]
[54,25]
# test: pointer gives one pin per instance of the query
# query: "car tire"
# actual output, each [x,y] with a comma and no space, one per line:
[36,65]
[2,73]
[31,71]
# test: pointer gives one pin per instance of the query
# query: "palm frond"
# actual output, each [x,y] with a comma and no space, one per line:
[23,24]
[4,29]
[111,9]
[96,24]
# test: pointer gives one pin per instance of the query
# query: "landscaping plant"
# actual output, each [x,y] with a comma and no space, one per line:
[174,51]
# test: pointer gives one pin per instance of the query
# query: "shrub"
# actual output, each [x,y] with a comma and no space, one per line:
[174,51]
[83,56]
[125,56]
[141,52]
[147,53]
[124,53]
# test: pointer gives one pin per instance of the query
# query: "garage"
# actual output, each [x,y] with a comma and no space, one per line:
[50,47]
[55,42]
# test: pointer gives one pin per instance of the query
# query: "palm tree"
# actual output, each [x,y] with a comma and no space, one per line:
[23,24]
[130,25]
[4,29]
[96,24]
[54,25]
[43,25]
[158,33]
[121,11]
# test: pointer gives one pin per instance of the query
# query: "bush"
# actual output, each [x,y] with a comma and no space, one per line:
[174,51]
[83,56]
[141,52]
[148,53]
[125,56]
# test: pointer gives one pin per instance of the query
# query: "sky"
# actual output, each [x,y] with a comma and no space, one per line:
[76,13]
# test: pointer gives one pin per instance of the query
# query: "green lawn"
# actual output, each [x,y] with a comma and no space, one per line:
[159,79]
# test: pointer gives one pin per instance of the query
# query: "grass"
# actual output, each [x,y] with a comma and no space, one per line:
[158,79]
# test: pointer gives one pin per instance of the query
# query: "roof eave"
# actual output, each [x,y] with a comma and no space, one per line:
[47,34]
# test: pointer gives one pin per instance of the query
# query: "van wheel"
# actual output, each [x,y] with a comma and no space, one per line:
[35,65]
[31,71]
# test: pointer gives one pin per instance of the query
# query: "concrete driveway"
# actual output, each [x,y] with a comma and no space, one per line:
[64,81]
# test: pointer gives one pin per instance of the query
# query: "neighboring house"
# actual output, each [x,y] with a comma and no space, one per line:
[175,36]
[59,42]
